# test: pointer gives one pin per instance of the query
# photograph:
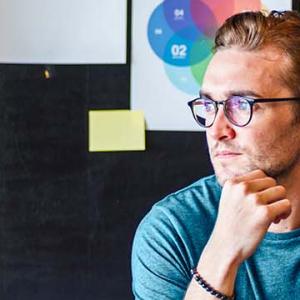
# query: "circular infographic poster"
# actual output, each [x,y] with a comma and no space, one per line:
[181,34]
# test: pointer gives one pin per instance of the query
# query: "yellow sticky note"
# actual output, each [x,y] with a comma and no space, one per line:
[116,130]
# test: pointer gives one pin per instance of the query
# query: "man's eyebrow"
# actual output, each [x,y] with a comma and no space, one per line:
[203,93]
[248,93]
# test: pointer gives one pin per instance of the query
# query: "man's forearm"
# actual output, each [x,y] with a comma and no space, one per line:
[218,268]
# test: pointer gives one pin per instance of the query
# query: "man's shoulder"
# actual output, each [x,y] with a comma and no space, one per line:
[179,224]
[205,190]
[199,198]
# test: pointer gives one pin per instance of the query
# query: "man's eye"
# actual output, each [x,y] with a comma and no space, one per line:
[208,107]
[242,105]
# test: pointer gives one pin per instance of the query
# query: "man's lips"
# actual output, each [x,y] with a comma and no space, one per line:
[226,154]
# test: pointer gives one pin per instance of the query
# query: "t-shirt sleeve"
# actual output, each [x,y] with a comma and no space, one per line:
[170,239]
[159,261]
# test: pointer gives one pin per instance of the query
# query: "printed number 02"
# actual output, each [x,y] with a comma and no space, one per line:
[179,51]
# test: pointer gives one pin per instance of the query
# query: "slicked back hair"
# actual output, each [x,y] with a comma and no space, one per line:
[254,31]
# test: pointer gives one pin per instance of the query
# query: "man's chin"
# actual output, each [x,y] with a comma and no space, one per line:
[225,169]
[224,175]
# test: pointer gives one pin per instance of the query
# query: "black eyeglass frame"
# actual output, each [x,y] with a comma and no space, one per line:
[251,102]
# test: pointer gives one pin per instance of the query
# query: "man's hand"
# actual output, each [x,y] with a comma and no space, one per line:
[248,206]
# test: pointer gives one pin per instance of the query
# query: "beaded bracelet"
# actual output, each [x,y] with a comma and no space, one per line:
[208,288]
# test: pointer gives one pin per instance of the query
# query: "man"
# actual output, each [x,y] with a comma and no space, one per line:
[237,232]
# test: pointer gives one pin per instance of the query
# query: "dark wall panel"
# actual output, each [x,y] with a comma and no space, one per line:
[44,219]
[67,216]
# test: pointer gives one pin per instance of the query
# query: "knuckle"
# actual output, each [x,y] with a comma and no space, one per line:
[281,189]
[244,187]
[264,213]
[272,181]
[255,198]
[286,203]
[231,182]
[260,173]
[229,185]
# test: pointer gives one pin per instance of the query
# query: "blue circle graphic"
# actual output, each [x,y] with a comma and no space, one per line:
[177,40]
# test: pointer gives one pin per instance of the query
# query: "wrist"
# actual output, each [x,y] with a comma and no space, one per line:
[219,266]
[205,285]
[226,255]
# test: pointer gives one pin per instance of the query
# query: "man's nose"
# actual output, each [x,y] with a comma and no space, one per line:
[221,129]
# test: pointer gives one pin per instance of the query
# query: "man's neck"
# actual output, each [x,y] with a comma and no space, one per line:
[291,183]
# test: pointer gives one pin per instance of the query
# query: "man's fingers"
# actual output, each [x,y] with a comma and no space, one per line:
[272,194]
[280,210]
[261,184]
[256,174]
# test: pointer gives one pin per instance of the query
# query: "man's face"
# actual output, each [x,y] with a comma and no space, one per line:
[271,141]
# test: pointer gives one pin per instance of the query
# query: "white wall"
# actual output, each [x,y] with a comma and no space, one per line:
[63,31]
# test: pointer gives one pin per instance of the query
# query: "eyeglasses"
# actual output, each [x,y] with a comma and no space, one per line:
[237,109]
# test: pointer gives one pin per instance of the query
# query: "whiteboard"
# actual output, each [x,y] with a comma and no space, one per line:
[63,31]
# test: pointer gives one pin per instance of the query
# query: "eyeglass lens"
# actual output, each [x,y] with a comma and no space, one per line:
[237,109]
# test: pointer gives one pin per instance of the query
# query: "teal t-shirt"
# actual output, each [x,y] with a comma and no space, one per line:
[169,241]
